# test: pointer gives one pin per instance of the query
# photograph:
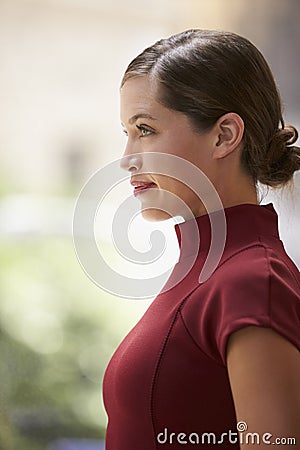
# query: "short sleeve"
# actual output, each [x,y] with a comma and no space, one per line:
[253,287]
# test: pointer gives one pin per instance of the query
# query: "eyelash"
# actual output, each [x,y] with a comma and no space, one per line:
[142,129]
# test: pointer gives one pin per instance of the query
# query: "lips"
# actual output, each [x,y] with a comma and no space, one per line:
[141,186]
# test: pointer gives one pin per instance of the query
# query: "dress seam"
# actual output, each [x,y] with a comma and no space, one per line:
[285,265]
[197,345]
[269,284]
[156,371]
[257,244]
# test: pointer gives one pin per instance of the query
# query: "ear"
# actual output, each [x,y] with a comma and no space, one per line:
[229,131]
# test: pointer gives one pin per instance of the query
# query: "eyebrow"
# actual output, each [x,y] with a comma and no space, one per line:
[134,118]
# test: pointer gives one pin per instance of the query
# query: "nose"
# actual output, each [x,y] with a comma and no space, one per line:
[131,161]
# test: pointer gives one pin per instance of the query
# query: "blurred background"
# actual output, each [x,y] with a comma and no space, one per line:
[61,65]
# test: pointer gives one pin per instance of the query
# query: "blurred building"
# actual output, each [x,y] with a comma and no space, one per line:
[272,25]
[62,61]
[61,65]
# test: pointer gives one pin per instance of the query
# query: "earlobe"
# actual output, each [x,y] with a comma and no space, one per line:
[229,133]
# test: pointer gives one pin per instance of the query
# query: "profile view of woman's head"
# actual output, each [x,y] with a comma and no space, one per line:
[208,97]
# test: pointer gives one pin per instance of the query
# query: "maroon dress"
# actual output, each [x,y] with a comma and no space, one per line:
[167,383]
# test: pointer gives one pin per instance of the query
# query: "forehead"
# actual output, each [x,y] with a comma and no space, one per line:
[137,95]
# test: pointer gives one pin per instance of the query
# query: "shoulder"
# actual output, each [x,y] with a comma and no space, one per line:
[259,271]
[255,286]
[261,261]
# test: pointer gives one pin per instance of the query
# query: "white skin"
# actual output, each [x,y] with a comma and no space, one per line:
[216,153]
[263,367]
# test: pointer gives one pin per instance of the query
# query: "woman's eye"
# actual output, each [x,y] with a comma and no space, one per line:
[125,132]
[144,131]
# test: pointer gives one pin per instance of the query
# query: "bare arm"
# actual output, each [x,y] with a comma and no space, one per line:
[264,373]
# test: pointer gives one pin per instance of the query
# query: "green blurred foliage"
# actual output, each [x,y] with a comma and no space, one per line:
[57,333]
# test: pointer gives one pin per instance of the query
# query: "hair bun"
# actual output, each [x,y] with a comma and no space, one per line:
[288,134]
[282,158]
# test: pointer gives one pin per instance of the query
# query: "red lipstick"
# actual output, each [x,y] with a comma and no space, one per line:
[141,186]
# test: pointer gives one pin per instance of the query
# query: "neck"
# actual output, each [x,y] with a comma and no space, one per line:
[236,190]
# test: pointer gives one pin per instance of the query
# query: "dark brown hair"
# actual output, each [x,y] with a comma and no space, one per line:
[205,74]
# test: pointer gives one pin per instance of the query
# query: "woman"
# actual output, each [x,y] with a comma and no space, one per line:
[216,362]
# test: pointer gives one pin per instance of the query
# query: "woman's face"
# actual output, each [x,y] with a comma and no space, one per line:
[151,127]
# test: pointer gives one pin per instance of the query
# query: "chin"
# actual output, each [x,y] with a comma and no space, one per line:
[155,214]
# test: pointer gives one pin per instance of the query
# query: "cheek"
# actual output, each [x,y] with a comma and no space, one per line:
[191,148]
[172,198]
[180,188]
[176,144]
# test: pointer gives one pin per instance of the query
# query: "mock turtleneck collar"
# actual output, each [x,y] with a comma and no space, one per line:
[244,222]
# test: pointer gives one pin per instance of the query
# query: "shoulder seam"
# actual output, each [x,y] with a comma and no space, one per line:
[241,251]
[284,263]
[269,283]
